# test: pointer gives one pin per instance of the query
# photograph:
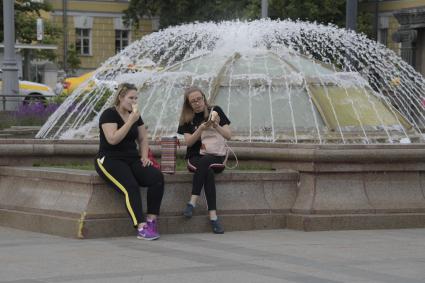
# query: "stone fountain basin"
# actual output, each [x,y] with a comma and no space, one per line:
[314,187]
[78,203]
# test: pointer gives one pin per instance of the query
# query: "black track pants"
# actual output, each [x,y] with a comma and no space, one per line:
[204,176]
[126,176]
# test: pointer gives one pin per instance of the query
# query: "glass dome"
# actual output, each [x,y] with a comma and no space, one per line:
[272,98]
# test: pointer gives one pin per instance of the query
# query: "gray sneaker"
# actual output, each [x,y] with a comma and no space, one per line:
[188,211]
[216,227]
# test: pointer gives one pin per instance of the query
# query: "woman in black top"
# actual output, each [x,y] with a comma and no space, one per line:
[193,121]
[125,167]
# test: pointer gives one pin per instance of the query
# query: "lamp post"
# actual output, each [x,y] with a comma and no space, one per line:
[10,67]
[264,8]
[65,34]
[351,15]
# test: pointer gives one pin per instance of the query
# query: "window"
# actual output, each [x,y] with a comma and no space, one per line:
[382,36]
[121,40]
[83,42]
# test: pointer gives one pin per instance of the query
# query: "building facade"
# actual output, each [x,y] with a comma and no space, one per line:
[95,29]
[400,25]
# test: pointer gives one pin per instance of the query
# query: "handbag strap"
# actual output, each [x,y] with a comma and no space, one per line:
[228,148]
[211,111]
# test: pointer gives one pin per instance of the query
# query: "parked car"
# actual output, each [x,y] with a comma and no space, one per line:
[71,83]
[28,92]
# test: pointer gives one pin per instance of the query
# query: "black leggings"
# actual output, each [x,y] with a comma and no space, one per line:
[126,176]
[204,176]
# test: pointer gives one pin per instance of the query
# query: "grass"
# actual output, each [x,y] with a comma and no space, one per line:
[80,166]
[180,166]
[6,120]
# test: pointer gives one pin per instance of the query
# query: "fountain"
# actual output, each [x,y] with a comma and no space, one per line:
[339,117]
[277,80]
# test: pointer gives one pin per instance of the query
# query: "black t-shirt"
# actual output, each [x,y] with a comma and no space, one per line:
[190,128]
[127,147]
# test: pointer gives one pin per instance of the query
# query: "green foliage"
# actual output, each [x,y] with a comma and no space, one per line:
[6,120]
[25,11]
[175,12]
[59,99]
[137,9]
[326,11]
[74,165]
[52,34]
[26,14]
[72,59]
[253,9]
[102,101]
[365,24]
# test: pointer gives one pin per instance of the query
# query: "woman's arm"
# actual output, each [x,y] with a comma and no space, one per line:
[144,145]
[224,131]
[190,139]
[114,136]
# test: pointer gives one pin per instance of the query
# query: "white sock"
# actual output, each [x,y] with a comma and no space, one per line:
[193,199]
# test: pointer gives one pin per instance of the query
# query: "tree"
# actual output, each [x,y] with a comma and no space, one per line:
[324,12]
[140,8]
[26,14]
[174,12]
[73,60]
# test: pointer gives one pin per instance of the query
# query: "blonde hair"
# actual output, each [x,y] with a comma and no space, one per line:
[122,91]
[187,113]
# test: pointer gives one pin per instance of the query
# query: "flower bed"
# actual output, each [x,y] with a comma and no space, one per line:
[32,114]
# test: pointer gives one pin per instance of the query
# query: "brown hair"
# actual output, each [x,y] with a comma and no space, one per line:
[187,111]
[122,91]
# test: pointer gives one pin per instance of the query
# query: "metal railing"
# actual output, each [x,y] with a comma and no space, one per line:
[10,102]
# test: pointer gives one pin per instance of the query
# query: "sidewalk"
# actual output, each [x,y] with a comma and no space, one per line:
[396,256]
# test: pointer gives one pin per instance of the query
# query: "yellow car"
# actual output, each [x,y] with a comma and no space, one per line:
[70,84]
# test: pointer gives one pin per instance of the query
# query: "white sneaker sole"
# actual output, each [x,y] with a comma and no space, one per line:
[147,239]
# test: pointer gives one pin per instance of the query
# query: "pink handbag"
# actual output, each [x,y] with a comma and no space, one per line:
[213,143]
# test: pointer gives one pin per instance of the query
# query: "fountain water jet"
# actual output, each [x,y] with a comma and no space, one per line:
[276,80]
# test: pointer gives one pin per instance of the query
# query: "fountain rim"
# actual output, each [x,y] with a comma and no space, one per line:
[236,143]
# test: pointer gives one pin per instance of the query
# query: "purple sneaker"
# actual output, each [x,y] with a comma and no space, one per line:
[148,232]
[153,226]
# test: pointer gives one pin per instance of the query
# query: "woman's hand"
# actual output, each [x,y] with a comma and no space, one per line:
[135,114]
[216,122]
[190,139]
[205,126]
[146,161]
